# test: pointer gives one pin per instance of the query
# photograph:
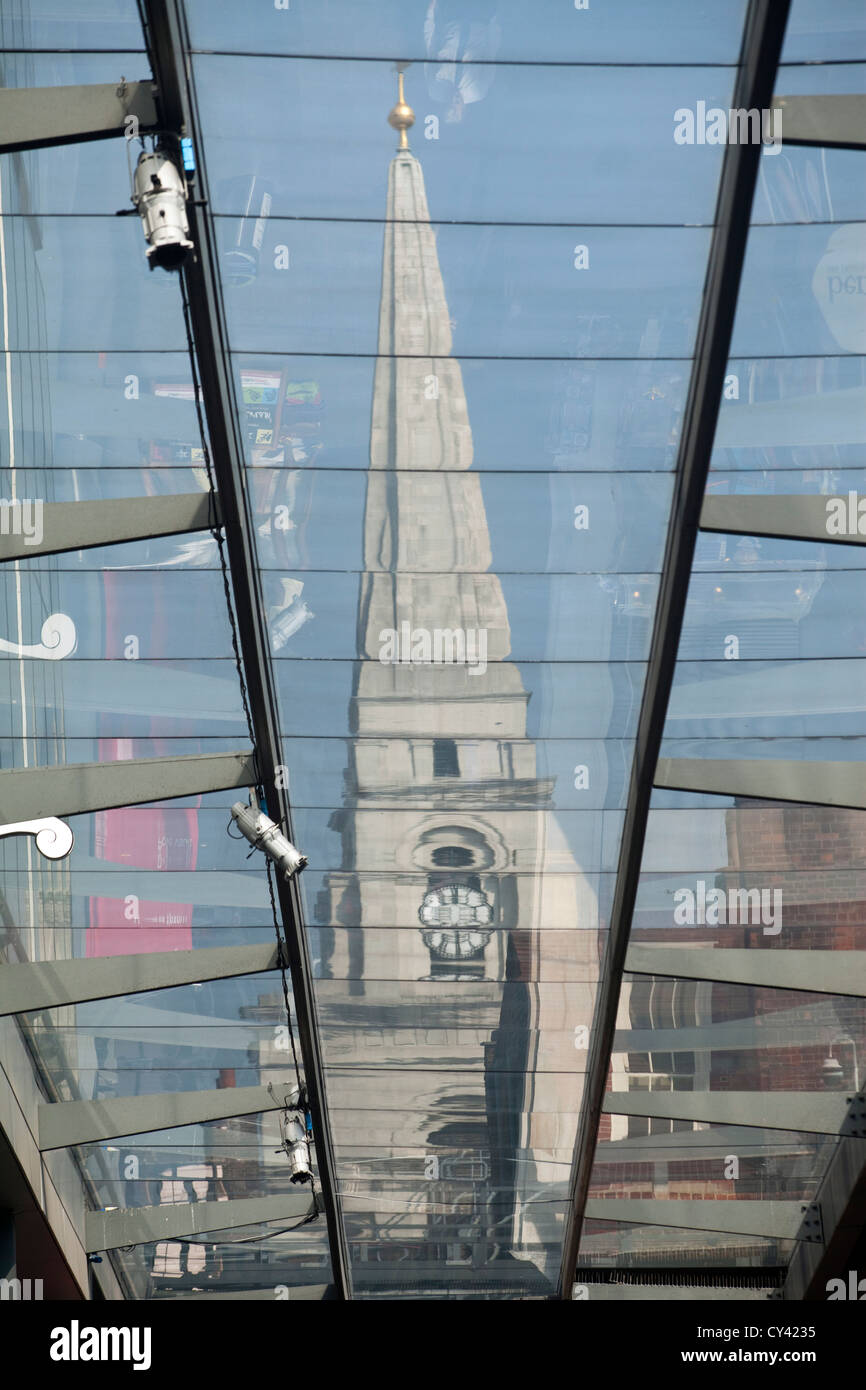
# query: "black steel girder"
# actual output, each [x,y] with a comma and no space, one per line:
[168,46]
[763,33]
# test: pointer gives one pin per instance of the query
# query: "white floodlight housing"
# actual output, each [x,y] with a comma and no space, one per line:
[297,1146]
[159,196]
[263,834]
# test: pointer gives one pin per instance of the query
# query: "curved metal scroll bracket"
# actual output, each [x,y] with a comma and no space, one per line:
[59,639]
[54,839]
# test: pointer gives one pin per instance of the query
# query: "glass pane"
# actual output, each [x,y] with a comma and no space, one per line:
[540,624]
[543,523]
[125,699]
[799,294]
[593,700]
[86,415]
[383,955]
[534,111]
[95,24]
[462,32]
[591,415]
[695,1164]
[810,184]
[593,773]
[122,614]
[514,291]
[246,1261]
[589,894]
[807,413]
[97,291]
[763,699]
[789,614]
[485,305]
[801,866]
[692,1035]
[823,32]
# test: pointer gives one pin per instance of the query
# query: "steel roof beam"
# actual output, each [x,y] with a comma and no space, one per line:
[168,45]
[68,526]
[821,972]
[790,517]
[113,1230]
[74,789]
[55,983]
[806,1112]
[69,1122]
[767,779]
[834,120]
[33,118]
[772,1220]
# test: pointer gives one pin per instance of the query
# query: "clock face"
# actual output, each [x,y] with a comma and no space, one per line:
[456,945]
[458,920]
[455,905]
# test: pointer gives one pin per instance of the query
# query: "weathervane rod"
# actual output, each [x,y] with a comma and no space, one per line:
[401,117]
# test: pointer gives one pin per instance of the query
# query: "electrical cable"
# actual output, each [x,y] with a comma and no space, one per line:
[283,972]
[244,1240]
[219,539]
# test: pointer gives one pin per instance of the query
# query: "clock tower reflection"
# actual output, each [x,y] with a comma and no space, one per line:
[446,830]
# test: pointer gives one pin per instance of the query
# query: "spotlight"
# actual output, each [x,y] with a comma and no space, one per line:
[263,834]
[159,197]
[296,1145]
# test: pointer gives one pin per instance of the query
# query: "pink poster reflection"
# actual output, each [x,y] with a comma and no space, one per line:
[140,837]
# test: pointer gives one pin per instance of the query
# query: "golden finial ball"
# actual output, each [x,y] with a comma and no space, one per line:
[402,116]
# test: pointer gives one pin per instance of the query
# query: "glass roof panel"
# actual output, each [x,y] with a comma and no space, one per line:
[99,295]
[246,1262]
[803,413]
[109,411]
[677,1161]
[585,415]
[373,954]
[769,670]
[790,613]
[589,700]
[461,374]
[821,33]
[535,109]
[125,652]
[683,1035]
[789,303]
[625,512]
[812,856]
[694,31]
[92,25]
[318,765]
[514,290]
[160,877]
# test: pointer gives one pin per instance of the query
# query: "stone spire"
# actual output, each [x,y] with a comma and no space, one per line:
[424,514]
